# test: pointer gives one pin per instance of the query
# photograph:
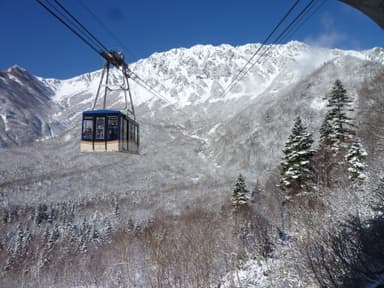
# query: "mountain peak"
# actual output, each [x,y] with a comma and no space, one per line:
[196,75]
[16,68]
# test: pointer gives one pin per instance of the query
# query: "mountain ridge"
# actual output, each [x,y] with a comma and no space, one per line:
[208,138]
[198,59]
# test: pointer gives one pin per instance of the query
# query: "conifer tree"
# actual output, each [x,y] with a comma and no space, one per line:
[355,162]
[324,159]
[296,166]
[337,129]
[326,133]
[240,193]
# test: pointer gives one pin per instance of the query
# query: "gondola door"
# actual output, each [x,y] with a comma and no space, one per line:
[100,143]
[88,136]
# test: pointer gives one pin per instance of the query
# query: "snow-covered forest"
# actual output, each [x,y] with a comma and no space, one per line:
[278,183]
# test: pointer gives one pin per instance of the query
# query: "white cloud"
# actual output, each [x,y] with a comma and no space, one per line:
[330,37]
[327,39]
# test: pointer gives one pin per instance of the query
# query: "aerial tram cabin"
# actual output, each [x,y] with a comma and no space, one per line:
[111,130]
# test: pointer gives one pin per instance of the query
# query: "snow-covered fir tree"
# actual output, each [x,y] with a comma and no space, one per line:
[326,133]
[355,162]
[296,166]
[240,193]
[337,129]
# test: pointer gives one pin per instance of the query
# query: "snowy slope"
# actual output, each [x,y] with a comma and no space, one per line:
[200,74]
[194,143]
[194,80]
[25,108]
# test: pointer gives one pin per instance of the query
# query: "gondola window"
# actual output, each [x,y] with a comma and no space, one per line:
[88,129]
[100,128]
[113,127]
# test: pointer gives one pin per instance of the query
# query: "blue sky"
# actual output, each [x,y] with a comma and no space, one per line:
[35,40]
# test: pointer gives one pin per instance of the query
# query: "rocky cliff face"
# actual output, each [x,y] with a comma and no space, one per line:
[26,106]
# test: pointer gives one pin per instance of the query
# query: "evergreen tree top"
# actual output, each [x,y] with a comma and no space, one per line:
[337,128]
[299,137]
[240,192]
[355,161]
[338,96]
[296,168]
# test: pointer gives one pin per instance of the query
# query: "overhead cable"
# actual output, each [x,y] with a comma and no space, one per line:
[55,13]
[80,25]
[105,27]
[263,48]
[75,26]
[260,47]
[283,33]
[303,21]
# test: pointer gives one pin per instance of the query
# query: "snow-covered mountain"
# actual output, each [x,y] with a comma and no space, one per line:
[195,136]
[196,75]
[164,218]
[25,108]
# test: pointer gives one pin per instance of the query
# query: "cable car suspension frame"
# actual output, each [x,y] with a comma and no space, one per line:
[115,59]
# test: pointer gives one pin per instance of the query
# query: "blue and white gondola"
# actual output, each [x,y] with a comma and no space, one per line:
[109,130]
